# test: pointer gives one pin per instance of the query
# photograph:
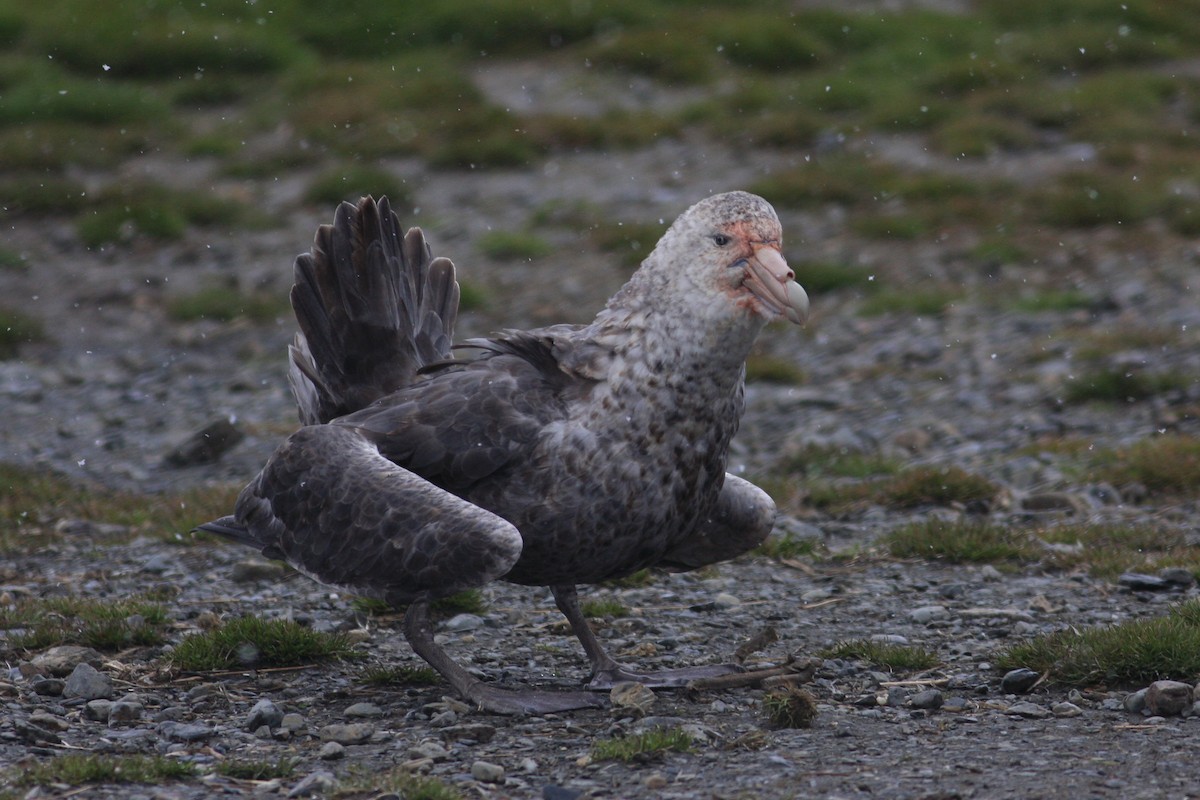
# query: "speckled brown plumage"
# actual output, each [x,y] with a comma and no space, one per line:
[551,457]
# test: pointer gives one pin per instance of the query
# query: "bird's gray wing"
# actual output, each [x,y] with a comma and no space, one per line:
[330,505]
[469,421]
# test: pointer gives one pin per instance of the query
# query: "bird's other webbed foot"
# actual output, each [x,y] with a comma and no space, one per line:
[606,678]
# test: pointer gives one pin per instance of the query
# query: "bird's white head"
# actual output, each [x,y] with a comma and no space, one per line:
[728,247]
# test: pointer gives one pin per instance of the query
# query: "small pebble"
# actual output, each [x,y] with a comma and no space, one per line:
[927,614]
[331,751]
[1028,710]
[463,622]
[486,772]
[1168,698]
[263,713]
[364,710]
[89,683]
[352,733]
[1134,703]
[1066,710]
[929,699]
[1018,681]
[97,710]
[292,722]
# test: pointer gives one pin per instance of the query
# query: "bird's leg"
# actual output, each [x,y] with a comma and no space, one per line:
[419,633]
[606,671]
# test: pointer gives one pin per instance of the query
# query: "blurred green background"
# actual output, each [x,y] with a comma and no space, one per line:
[86,85]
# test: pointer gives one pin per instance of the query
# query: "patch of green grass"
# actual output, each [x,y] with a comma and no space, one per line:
[12,261]
[772,369]
[77,769]
[225,303]
[249,642]
[790,707]
[1119,385]
[506,245]
[820,277]
[840,462]
[923,486]
[1168,464]
[787,546]
[605,607]
[16,329]
[53,96]
[468,601]
[401,676]
[642,747]
[1132,653]
[108,625]
[283,767]
[1108,550]
[32,500]
[1087,199]
[1056,300]
[39,194]
[471,296]
[922,302]
[631,241]
[905,658]
[636,580]
[360,781]
[352,181]
[670,56]
[957,542]
[157,212]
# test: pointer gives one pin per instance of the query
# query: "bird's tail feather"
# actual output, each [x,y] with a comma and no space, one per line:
[373,305]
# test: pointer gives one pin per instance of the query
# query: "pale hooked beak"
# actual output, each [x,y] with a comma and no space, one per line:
[772,281]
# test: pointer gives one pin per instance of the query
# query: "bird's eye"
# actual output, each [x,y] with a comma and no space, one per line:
[721,239]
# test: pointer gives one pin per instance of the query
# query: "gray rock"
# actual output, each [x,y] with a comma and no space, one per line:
[1168,698]
[251,571]
[184,732]
[48,721]
[477,731]
[1028,710]
[1143,583]
[205,446]
[1135,703]
[60,661]
[264,712]
[463,622]
[293,722]
[87,682]
[927,699]
[486,772]
[317,783]
[124,712]
[1018,681]
[1065,709]
[897,696]
[1177,576]
[429,749]
[331,751]
[49,687]
[725,601]
[629,696]
[364,710]
[927,614]
[97,710]
[351,733]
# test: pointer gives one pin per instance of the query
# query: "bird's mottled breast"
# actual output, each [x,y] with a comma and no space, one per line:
[631,470]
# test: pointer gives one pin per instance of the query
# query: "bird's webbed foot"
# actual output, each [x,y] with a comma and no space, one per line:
[516,702]
[605,678]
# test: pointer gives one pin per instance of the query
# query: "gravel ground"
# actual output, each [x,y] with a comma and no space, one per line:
[119,385]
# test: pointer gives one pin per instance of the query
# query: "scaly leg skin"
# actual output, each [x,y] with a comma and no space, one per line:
[607,672]
[483,696]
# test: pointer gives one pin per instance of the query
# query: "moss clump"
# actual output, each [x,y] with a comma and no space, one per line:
[253,642]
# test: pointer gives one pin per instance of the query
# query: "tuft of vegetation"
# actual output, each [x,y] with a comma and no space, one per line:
[353,181]
[396,782]
[604,608]
[283,767]
[1119,385]
[1127,654]
[959,542]
[643,747]
[77,769]
[401,676]
[927,302]
[922,486]
[103,624]
[820,277]
[785,547]
[1167,464]
[790,707]
[505,245]
[16,329]
[225,303]
[121,213]
[904,658]
[771,369]
[636,580]
[839,462]
[1056,300]
[252,642]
